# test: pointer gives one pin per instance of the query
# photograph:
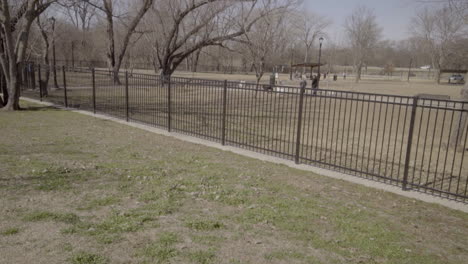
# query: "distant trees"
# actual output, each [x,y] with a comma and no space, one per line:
[440,30]
[363,34]
[247,35]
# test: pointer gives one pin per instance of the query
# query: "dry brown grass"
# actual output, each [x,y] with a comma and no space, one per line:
[83,190]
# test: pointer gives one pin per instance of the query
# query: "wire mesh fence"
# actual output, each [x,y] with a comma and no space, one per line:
[416,143]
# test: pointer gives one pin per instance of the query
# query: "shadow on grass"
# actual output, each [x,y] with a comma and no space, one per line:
[39,108]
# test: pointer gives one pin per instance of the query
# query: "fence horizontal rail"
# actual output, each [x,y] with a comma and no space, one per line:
[416,143]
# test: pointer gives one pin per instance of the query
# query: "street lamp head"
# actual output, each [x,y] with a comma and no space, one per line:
[321,40]
[52,19]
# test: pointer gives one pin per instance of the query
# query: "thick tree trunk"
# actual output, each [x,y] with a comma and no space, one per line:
[165,72]
[14,94]
[4,90]
[116,71]
[45,82]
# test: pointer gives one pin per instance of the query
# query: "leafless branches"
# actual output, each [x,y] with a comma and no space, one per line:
[363,33]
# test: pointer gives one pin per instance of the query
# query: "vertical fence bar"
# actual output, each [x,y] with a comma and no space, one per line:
[299,123]
[126,96]
[168,102]
[93,75]
[39,81]
[64,87]
[223,135]
[410,142]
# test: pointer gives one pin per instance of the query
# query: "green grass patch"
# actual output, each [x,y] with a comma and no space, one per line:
[288,255]
[10,231]
[162,250]
[111,228]
[36,216]
[88,258]
[99,202]
[202,256]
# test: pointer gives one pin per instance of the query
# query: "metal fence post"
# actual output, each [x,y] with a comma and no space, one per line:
[126,96]
[33,77]
[65,97]
[410,142]
[39,81]
[223,135]
[299,123]
[168,103]
[94,89]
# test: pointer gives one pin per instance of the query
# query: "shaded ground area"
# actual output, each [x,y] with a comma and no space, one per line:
[83,190]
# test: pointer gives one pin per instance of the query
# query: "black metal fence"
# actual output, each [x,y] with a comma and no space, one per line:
[416,143]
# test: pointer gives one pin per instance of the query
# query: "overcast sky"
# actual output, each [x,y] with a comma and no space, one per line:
[392,15]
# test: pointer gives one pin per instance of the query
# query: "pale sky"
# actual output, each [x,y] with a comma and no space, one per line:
[392,15]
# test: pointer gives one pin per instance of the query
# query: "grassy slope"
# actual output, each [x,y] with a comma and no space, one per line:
[84,190]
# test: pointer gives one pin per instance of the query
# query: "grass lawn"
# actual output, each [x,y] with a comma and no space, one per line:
[82,190]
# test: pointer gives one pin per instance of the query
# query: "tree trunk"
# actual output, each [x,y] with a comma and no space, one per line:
[116,71]
[13,94]
[165,71]
[4,90]
[358,72]
[305,61]
[45,82]
[195,61]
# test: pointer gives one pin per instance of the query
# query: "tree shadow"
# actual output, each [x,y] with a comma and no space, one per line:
[39,108]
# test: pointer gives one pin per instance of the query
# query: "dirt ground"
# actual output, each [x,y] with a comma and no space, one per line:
[93,191]
[369,84]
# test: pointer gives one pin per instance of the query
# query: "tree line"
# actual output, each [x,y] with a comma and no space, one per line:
[256,35]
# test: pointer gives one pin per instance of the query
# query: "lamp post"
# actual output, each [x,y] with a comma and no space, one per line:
[320,57]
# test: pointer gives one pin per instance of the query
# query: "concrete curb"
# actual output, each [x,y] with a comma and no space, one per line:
[328,173]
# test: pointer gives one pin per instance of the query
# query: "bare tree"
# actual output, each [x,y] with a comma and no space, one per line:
[16,18]
[267,37]
[114,57]
[439,29]
[308,27]
[80,13]
[363,33]
[45,28]
[206,23]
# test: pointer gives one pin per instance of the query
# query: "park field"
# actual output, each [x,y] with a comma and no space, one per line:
[368,84]
[76,189]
